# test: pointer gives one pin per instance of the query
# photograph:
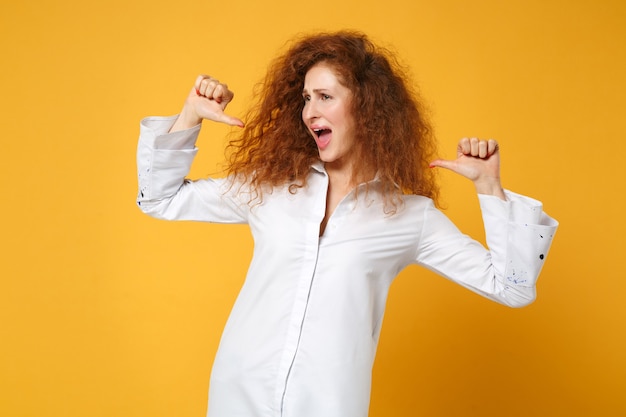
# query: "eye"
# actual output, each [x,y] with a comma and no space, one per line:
[306,97]
[326,97]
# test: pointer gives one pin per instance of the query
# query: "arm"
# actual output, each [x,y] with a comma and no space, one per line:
[165,152]
[519,235]
[518,232]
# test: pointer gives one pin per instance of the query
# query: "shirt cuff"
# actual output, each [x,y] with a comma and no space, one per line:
[517,209]
[155,133]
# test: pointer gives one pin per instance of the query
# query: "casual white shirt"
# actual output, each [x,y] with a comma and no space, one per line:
[301,338]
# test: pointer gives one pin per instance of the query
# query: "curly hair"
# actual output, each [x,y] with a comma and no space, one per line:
[393,139]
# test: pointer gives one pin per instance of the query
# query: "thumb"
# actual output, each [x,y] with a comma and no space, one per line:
[443,163]
[230,120]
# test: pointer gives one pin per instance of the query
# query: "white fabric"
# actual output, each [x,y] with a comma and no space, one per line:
[302,335]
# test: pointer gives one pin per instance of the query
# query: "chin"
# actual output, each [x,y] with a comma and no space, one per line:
[326,158]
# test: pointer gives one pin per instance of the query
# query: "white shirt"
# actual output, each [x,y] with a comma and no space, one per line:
[301,338]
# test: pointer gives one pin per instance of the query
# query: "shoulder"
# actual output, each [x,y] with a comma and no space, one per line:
[412,204]
[417,200]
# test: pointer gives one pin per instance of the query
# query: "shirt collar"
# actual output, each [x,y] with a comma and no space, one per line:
[319,167]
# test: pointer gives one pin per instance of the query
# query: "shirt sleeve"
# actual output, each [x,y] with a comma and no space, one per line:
[163,162]
[518,235]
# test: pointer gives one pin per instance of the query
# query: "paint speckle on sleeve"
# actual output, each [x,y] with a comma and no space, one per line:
[516,276]
[144,178]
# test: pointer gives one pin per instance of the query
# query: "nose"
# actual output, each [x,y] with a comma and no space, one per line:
[309,111]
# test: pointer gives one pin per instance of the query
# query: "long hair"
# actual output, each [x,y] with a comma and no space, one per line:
[393,137]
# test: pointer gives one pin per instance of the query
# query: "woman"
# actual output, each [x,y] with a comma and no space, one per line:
[332,175]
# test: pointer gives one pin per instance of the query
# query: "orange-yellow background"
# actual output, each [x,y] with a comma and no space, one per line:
[106,312]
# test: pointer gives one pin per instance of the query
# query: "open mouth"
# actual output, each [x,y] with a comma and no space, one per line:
[321,132]
[322,137]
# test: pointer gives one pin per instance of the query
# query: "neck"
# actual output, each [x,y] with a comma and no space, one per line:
[342,176]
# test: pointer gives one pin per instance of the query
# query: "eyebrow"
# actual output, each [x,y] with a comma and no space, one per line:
[315,90]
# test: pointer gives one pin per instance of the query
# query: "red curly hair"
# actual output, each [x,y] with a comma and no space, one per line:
[393,138]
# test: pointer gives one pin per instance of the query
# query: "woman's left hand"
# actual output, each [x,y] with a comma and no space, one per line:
[479,161]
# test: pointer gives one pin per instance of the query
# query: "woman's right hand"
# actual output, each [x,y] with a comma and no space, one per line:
[207,100]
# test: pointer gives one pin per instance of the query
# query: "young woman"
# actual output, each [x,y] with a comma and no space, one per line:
[331,173]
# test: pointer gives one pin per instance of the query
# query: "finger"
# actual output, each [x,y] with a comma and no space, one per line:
[218,93]
[492,146]
[222,94]
[199,79]
[198,82]
[474,146]
[464,147]
[483,149]
[207,87]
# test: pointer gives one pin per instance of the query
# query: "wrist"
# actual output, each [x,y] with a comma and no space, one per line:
[186,120]
[490,187]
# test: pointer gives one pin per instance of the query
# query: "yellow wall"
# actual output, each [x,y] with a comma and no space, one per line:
[106,312]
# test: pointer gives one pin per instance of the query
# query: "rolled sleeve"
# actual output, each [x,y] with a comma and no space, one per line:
[519,233]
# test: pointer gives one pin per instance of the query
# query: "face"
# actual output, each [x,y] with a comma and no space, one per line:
[327,115]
